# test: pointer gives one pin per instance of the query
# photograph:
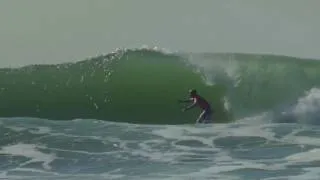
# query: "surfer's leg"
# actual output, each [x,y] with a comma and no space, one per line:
[201,117]
[207,117]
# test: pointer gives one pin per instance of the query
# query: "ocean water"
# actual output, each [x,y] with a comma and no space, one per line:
[116,116]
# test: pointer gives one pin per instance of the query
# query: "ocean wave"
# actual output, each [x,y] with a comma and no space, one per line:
[143,85]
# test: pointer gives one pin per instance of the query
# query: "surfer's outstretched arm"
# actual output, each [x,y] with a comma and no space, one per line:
[185,101]
[189,107]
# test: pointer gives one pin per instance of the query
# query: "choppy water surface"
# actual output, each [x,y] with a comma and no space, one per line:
[88,149]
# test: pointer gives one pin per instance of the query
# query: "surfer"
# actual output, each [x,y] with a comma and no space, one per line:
[195,99]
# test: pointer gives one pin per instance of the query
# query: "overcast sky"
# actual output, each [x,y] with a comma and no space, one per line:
[54,31]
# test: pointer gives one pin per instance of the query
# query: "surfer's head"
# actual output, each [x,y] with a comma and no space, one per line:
[192,92]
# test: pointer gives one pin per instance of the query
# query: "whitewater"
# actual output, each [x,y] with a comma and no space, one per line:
[115,116]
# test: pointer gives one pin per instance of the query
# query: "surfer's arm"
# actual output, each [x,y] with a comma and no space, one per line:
[186,101]
[190,106]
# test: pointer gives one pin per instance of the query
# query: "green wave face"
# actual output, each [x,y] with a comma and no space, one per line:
[143,86]
[136,86]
